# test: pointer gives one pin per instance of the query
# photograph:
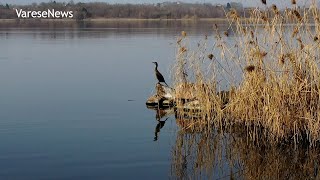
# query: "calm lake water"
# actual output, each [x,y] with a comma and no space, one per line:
[73,107]
[64,109]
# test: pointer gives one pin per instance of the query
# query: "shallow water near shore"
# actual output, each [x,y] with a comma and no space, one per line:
[73,107]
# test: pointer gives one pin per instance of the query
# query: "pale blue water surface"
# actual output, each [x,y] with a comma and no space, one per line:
[64,109]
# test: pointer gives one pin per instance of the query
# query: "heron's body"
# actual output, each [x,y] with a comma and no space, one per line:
[159,75]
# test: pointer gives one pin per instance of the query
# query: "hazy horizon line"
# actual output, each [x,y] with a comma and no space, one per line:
[245,3]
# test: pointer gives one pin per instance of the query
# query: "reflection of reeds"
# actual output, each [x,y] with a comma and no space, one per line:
[279,89]
[229,154]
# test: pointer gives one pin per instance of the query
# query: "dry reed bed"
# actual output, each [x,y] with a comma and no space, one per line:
[277,57]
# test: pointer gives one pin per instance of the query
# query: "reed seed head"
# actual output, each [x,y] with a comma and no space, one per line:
[250,68]
[297,14]
[263,54]
[183,49]
[264,18]
[210,56]
[274,7]
[252,34]
[244,30]
[233,14]
[299,40]
[282,58]
[295,32]
[183,33]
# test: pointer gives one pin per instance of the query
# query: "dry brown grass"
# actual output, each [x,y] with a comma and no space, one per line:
[277,55]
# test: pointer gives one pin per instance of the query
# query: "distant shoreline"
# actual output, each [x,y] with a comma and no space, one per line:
[109,23]
[111,20]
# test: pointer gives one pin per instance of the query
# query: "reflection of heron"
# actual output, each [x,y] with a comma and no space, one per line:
[158,127]
[159,75]
[161,113]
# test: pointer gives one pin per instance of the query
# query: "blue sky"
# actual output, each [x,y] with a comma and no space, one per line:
[279,3]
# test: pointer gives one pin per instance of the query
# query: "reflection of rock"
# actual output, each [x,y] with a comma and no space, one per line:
[162,112]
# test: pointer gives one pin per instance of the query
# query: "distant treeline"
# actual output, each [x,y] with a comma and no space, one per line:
[176,10]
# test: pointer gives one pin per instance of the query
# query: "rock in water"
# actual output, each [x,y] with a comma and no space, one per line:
[162,98]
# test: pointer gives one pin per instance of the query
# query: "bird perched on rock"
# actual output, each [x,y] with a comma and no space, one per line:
[159,75]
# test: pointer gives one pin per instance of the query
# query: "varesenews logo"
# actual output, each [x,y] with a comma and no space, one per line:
[50,13]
